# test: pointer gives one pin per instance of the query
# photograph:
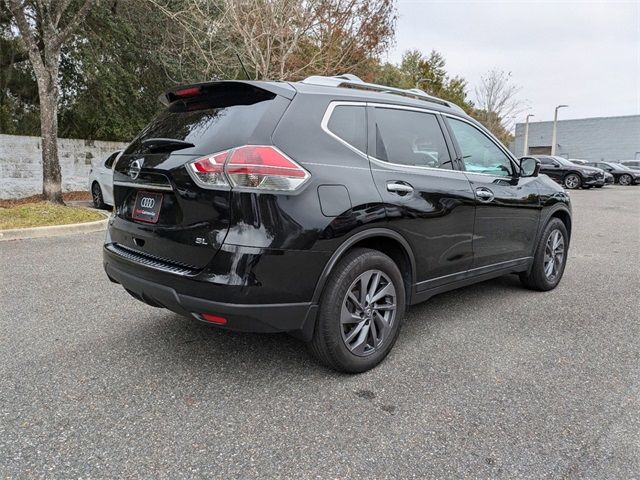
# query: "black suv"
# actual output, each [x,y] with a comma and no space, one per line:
[323,208]
[571,175]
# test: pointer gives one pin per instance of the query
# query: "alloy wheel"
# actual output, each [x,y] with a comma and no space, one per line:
[368,312]
[625,180]
[572,181]
[553,254]
[97,195]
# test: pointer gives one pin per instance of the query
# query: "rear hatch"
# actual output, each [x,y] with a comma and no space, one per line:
[160,212]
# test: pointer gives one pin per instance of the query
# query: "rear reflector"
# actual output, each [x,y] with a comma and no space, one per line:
[256,167]
[213,319]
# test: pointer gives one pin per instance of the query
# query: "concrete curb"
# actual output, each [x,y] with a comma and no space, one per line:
[55,230]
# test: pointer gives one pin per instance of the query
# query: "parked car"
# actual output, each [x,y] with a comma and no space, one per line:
[632,164]
[621,173]
[570,174]
[101,181]
[323,208]
[609,179]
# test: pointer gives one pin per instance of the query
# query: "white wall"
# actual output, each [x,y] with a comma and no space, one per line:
[21,163]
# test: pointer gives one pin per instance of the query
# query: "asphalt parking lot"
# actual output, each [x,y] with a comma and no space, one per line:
[489,381]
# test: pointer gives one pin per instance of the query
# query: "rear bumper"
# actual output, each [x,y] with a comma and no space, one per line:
[191,296]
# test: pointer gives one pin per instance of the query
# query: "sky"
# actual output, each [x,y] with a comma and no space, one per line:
[582,53]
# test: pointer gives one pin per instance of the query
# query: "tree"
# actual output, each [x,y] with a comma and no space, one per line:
[121,64]
[428,73]
[45,26]
[283,39]
[497,103]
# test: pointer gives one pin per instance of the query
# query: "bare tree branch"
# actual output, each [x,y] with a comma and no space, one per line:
[27,33]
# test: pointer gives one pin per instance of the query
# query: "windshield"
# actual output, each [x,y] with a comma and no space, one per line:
[620,166]
[563,161]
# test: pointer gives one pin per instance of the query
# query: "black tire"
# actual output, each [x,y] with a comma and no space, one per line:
[327,344]
[572,181]
[625,180]
[536,278]
[599,186]
[96,195]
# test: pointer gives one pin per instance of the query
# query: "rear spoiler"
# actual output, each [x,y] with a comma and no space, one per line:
[277,88]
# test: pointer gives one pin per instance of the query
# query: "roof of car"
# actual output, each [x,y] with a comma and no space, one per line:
[350,87]
[343,87]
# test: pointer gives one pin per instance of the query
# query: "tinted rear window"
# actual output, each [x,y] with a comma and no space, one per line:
[410,138]
[224,116]
[349,122]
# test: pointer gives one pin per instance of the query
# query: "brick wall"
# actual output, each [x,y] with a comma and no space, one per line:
[21,163]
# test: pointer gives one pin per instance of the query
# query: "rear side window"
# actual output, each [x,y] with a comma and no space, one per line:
[349,122]
[222,116]
[112,157]
[410,138]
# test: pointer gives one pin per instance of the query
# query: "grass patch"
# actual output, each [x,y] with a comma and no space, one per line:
[43,214]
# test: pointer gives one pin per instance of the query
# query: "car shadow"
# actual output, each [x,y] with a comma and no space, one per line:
[203,350]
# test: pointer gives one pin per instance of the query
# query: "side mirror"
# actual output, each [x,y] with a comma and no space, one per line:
[529,167]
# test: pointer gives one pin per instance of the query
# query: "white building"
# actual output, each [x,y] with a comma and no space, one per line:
[600,138]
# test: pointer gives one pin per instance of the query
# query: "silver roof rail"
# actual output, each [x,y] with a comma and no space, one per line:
[348,80]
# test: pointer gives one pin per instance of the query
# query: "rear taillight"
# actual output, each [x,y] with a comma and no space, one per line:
[252,166]
[209,171]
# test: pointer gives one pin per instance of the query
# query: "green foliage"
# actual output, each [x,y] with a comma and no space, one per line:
[111,74]
[428,73]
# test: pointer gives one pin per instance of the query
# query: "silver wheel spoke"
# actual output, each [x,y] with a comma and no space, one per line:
[364,283]
[374,334]
[382,324]
[384,291]
[385,306]
[548,270]
[355,301]
[347,317]
[374,286]
[361,342]
[354,332]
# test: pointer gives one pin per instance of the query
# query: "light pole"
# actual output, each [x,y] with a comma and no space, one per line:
[526,134]
[554,135]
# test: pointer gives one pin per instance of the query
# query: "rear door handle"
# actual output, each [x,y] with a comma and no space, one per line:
[400,188]
[484,194]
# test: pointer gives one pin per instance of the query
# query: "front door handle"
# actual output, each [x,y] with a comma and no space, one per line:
[400,188]
[484,194]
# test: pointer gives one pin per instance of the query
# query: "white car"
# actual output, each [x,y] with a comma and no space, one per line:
[101,181]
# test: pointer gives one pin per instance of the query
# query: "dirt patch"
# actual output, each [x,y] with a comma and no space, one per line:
[67,197]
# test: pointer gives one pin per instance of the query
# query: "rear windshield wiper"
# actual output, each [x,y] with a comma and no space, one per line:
[157,145]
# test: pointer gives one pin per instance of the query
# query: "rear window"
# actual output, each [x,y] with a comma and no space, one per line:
[410,138]
[222,116]
[349,122]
